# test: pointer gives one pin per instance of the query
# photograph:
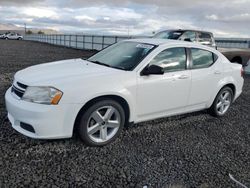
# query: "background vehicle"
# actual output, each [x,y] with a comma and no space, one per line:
[2,36]
[202,37]
[145,79]
[13,36]
[206,38]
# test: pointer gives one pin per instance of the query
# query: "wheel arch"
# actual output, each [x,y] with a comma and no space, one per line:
[232,86]
[119,99]
[237,59]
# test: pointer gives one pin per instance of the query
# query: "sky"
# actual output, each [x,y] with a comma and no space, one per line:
[225,18]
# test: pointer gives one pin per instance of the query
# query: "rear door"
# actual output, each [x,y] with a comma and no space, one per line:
[206,71]
[12,36]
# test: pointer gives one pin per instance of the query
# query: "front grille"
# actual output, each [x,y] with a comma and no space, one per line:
[18,89]
[21,85]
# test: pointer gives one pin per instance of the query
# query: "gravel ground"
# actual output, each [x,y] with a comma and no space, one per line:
[193,150]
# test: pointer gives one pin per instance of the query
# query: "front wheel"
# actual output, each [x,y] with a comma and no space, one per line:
[101,123]
[222,102]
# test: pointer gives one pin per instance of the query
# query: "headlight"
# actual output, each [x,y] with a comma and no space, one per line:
[42,95]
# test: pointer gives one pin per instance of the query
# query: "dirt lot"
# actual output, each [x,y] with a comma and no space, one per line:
[194,150]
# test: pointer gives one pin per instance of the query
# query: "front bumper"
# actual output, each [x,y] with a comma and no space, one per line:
[48,121]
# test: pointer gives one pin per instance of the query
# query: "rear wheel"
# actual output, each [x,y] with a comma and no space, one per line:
[102,123]
[222,102]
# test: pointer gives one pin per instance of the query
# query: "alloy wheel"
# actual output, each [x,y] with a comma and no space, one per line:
[103,124]
[223,102]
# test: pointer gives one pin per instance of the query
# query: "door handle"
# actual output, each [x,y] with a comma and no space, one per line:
[183,77]
[217,72]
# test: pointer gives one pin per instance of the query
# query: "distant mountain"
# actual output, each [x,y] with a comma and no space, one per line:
[12,27]
[45,31]
[8,26]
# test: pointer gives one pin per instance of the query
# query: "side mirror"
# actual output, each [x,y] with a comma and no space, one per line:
[187,39]
[152,69]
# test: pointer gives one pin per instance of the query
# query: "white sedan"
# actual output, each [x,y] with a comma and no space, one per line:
[131,81]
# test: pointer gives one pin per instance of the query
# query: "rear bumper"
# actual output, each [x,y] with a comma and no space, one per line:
[48,121]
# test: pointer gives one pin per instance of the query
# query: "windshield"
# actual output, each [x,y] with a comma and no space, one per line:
[123,55]
[169,35]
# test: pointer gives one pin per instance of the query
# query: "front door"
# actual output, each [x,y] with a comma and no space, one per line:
[161,95]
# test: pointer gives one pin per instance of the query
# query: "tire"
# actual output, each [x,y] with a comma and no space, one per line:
[101,123]
[222,102]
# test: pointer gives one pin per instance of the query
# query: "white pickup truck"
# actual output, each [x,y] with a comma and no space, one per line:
[13,36]
[240,56]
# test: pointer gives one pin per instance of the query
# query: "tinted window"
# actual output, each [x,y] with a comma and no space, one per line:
[169,35]
[189,35]
[173,59]
[205,38]
[202,58]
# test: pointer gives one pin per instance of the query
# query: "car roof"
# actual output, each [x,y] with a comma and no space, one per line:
[157,42]
[169,42]
[184,30]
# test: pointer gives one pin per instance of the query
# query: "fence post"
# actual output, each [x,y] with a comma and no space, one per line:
[69,40]
[83,42]
[102,42]
[92,42]
[76,41]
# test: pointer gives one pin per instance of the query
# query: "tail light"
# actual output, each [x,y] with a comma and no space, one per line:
[242,72]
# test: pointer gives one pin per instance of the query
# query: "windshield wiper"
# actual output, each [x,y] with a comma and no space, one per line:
[99,63]
[119,67]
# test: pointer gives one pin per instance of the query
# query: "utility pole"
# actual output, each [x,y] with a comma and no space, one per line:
[24,28]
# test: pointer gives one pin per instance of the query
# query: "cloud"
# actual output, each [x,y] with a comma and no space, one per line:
[224,18]
[20,2]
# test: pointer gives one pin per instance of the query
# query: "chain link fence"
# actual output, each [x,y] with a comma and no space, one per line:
[96,42]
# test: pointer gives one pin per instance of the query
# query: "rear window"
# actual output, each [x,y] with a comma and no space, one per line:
[202,58]
[205,38]
[168,35]
[205,35]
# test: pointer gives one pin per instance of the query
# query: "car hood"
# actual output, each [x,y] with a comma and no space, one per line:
[50,73]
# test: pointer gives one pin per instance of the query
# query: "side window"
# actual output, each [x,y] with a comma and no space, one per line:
[205,38]
[202,58]
[191,35]
[172,59]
